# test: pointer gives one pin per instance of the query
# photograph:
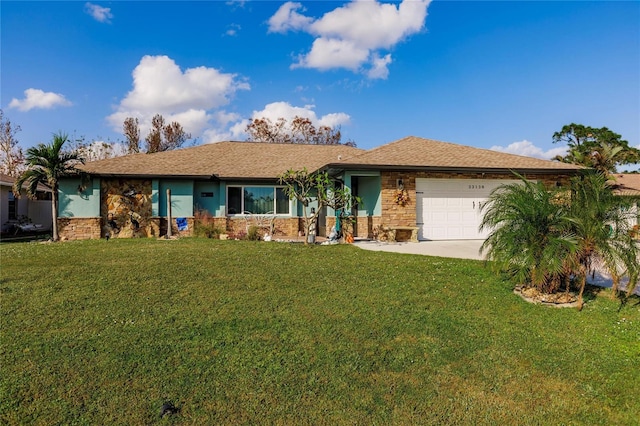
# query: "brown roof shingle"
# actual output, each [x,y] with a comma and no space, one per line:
[627,184]
[246,160]
[224,160]
[415,152]
[6,180]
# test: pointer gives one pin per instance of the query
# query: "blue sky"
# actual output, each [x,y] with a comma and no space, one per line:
[502,75]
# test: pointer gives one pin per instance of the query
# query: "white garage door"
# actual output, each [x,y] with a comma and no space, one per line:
[449,209]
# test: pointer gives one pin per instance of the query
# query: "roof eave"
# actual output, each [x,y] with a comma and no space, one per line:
[151,176]
[341,167]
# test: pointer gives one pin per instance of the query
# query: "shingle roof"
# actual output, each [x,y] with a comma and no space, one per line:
[245,160]
[415,152]
[224,160]
[627,184]
[6,180]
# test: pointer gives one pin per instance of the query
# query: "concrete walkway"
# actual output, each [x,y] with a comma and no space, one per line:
[459,249]
[465,249]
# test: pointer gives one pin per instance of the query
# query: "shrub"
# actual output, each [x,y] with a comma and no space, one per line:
[254,233]
[204,225]
[240,235]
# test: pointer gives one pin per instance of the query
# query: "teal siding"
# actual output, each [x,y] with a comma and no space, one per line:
[75,203]
[187,195]
[222,201]
[155,197]
[210,204]
[181,198]
[369,188]
[297,207]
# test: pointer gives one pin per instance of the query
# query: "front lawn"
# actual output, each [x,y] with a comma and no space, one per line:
[104,332]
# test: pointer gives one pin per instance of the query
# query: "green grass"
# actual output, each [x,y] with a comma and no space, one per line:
[99,332]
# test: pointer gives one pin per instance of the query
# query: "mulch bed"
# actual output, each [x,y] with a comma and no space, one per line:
[558,300]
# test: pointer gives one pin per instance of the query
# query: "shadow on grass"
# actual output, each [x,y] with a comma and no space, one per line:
[591,292]
[631,300]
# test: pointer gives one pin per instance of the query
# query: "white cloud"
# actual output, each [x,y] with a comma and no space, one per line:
[195,121]
[333,53]
[379,67]
[371,24]
[36,98]
[236,3]
[528,149]
[233,30]
[334,119]
[353,36]
[218,135]
[230,127]
[99,13]
[288,19]
[194,97]
[276,110]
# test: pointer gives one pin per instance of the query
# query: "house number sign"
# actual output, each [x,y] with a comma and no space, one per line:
[476,186]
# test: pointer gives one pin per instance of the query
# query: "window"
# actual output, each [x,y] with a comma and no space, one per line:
[257,200]
[13,207]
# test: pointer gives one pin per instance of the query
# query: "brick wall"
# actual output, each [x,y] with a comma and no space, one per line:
[79,228]
[364,225]
[283,226]
[394,214]
[160,224]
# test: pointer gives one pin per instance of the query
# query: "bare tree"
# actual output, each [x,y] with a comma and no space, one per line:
[131,131]
[154,138]
[95,150]
[165,137]
[300,131]
[264,130]
[174,136]
[11,155]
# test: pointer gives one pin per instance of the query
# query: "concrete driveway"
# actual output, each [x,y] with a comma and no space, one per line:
[460,249]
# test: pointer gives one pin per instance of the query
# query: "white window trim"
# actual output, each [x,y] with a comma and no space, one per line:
[244,214]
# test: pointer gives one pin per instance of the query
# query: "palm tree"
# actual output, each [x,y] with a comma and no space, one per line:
[605,158]
[600,221]
[529,235]
[46,164]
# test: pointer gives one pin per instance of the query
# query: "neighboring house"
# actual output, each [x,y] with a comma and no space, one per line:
[436,188]
[628,185]
[14,210]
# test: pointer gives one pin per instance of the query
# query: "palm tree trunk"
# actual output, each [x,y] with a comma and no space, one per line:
[583,282]
[616,283]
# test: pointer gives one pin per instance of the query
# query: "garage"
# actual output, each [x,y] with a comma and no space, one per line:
[449,209]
